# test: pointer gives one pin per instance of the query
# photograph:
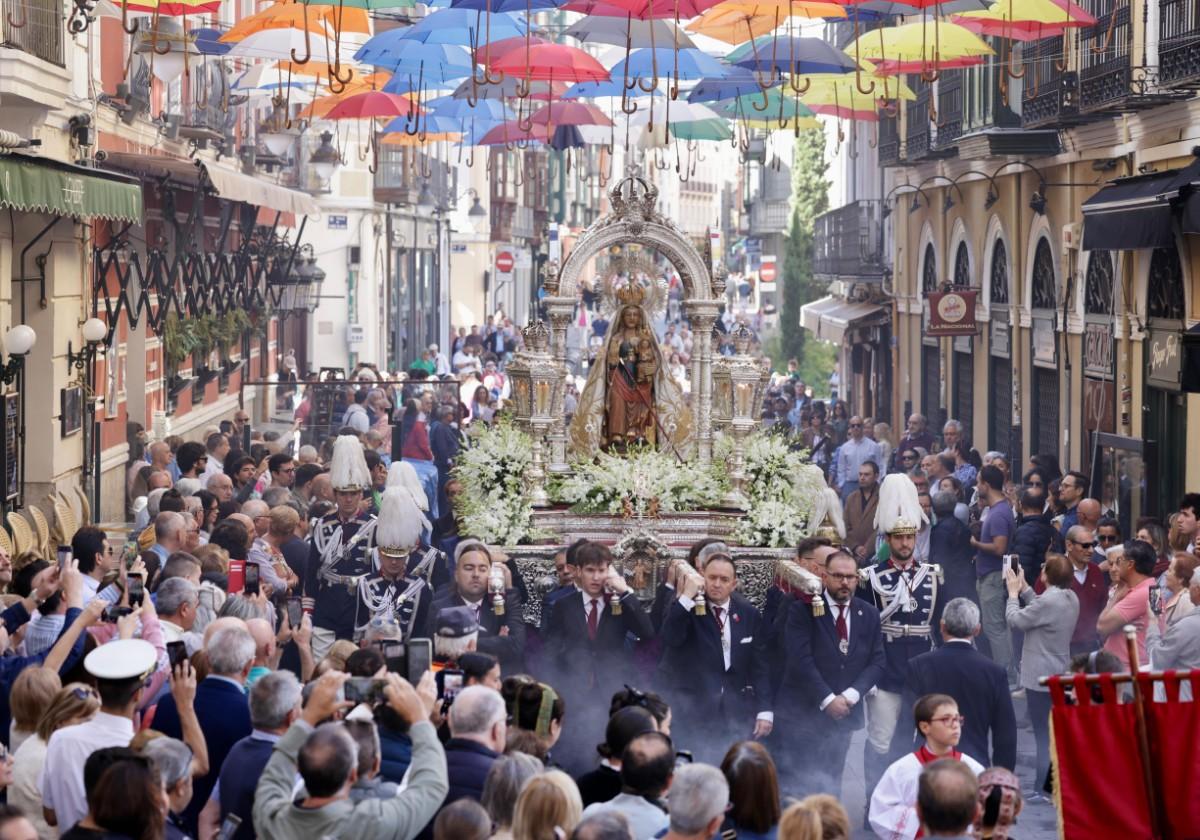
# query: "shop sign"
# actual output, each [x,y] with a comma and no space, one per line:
[1098,350]
[952,313]
[1164,359]
[1001,338]
[1045,348]
[1099,395]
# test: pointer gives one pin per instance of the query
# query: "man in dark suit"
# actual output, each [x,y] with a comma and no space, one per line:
[586,643]
[503,636]
[714,666]
[221,708]
[833,660]
[977,684]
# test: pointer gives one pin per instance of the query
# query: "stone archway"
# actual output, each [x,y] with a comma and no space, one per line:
[635,219]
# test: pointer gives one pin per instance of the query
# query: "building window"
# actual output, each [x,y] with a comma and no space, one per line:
[1098,285]
[929,281]
[1045,294]
[999,290]
[1164,286]
[962,267]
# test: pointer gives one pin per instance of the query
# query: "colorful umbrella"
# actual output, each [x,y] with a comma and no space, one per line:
[373,103]
[628,33]
[550,62]
[402,138]
[642,9]
[796,55]
[464,26]
[734,21]
[679,64]
[570,113]
[920,47]
[507,88]
[737,82]
[291,16]
[1026,20]
[512,132]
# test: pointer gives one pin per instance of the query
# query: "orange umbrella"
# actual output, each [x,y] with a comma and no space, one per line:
[401,138]
[735,21]
[320,107]
[298,16]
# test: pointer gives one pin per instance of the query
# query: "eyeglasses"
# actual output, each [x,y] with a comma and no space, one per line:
[1107,538]
[949,720]
[1084,544]
[84,693]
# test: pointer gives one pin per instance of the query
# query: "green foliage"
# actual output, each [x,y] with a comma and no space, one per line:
[810,198]
[179,339]
[810,188]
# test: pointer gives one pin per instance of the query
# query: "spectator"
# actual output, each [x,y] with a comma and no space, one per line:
[860,512]
[647,766]
[1090,586]
[1108,533]
[1000,803]
[1090,513]
[916,436]
[14,825]
[178,600]
[32,691]
[462,820]
[950,548]
[604,783]
[608,825]
[1129,601]
[1048,622]
[753,792]
[503,786]
[220,706]
[1178,646]
[854,453]
[120,669]
[1185,524]
[1178,601]
[817,817]
[994,538]
[548,805]
[1034,535]
[323,753]
[966,463]
[124,798]
[1071,490]
[699,797]
[368,784]
[170,529]
[978,685]
[274,707]
[947,797]
[477,735]
[535,714]
[97,559]
[176,766]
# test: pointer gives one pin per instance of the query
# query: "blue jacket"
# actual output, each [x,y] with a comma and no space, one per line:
[950,547]
[467,766]
[1035,535]
[395,752]
[12,666]
[239,778]
[224,715]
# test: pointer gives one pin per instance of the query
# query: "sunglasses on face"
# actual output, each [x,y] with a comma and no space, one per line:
[1107,538]
[1084,544]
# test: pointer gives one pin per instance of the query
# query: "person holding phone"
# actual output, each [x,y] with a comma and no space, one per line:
[1048,622]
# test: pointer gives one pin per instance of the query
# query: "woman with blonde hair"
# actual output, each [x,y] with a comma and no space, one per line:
[818,817]
[548,807]
[74,703]
[33,690]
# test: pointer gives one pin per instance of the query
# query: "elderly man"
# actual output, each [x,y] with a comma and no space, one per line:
[1129,601]
[917,436]
[1089,584]
[221,486]
[699,797]
[262,552]
[851,455]
[170,534]
[217,446]
[441,365]
[952,433]
[478,731]
[177,600]
[937,466]
[1089,513]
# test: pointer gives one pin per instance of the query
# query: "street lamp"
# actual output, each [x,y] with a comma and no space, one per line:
[746,379]
[325,159]
[95,332]
[18,343]
[535,378]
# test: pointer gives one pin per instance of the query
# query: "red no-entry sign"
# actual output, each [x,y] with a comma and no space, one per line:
[504,262]
[766,272]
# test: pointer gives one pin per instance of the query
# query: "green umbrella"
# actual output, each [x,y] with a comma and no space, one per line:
[750,106]
[701,130]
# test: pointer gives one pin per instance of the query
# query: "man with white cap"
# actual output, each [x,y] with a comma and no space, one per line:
[906,594]
[121,668]
[340,550]
[390,594]
[440,362]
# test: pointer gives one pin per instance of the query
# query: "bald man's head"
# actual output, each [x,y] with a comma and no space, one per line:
[221,623]
[259,514]
[1089,513]
[321,488]
[264,640]
[947,798]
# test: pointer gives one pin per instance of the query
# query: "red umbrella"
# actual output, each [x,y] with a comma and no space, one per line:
[553,62]
[570,113]
[895,67]
[511,132]
[373,103]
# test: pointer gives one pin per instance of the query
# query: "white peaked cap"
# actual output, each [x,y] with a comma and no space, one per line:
[400,521]
[833,509]
[899,509]
[403,474]
[348,469]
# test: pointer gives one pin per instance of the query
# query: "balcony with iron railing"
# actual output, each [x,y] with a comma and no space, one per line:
[205,115]
[1179,43]
[848,242]
[888,141]
[1105,56]
[769,216]
[1050,90]
[949,109]
[35,27]
[916,116]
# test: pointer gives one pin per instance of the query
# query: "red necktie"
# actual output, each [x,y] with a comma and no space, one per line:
[717,611]
[593,619]
[842,630]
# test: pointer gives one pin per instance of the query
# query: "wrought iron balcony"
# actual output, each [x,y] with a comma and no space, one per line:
[207,116]
[990,128]
[1105,60]
[1178,43]
[848,242]
[35,27]
[949,109]
[1050,92]
[889,140]
[916,115]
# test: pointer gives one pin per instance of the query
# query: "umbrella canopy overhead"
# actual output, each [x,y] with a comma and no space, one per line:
[464,26]
[659,63]
[912,47]
[636,33]
[374,103]
[551,62]
[290,16]
[1026,20]
[737,82]
[506,88]
[734,21]
[791,54]
[642,9]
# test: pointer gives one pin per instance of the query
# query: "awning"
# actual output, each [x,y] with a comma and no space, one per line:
[1136,212]
[830,318]
[47,186]
[231,185]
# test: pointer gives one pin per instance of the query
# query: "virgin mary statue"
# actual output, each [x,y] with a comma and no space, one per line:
[630,397]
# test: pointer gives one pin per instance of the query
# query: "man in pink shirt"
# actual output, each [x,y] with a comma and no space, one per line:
[1129,601]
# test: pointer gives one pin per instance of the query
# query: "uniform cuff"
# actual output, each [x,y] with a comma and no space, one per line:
[686,602]
[852,696]
[769,717]
[829,698]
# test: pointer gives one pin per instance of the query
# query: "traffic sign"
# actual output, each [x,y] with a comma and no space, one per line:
[504,262]
[766,271]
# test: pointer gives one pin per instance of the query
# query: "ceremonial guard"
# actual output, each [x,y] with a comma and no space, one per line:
[340,550]
[394,595]
[906,594]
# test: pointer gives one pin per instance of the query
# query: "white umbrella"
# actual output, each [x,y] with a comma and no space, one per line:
[279,44]
[595,29]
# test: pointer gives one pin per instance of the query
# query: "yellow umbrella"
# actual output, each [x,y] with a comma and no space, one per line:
[735,21]
[923,47]
[1026,20]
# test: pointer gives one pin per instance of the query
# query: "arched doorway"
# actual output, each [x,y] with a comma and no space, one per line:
[964,353]
[931,354]
[1045,430]
[1164,427]
[1003,436]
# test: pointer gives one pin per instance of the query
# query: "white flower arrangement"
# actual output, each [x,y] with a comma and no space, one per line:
[643,482]
[782,490]
[491,467]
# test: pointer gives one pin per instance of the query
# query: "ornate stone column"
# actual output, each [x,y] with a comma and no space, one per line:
[701,315]
[559,310]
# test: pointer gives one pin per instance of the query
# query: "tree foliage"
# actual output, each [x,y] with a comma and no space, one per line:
[810,198]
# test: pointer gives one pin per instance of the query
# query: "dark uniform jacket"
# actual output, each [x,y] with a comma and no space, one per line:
[334,605]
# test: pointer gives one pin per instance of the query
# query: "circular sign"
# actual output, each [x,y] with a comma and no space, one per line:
[952,308]
[767,273]
[504,262]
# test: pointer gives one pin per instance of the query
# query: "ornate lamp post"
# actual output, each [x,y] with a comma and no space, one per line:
[722,401]
[535,383]
[745,376]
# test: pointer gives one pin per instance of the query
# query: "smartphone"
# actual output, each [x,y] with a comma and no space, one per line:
[130,554]
[237,575]
[1014,562]
[420,659]
[176,653]
[295,612]
[363,690]
[229,827]
[1156,600]
[64,557]
[251,587]
[395,654]
[137,590]
[113,612]
[452,683]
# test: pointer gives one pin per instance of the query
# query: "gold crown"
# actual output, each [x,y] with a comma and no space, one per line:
[901,527]
[631,294]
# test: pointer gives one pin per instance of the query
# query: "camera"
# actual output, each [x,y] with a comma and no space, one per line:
[409,659]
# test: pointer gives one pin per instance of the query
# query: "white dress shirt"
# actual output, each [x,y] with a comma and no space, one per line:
[61,780]
[726,630]
[851,694]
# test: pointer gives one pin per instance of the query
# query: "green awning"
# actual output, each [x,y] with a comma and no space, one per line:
[45,186]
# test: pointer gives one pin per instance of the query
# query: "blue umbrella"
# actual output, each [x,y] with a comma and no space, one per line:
[613,87]
[208,41]
[738,82]
[791,54]
[663,61]
[416,78]
[464,26]
[414,54]
[461,109]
